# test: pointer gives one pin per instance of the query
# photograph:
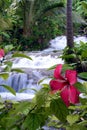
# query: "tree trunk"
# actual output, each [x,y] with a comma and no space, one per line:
[26,28]
[28,18]
[70,42]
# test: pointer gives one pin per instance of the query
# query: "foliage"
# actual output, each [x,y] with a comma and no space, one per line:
[45,109]
[6,14]
[81,8]
[80,57]
[46,20]
[15,34]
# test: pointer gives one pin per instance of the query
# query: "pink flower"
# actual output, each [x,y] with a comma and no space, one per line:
[65,84]
[2,53]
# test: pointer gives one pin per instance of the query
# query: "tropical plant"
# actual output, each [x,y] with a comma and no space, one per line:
[5,17]
[81,8]
[36,16]
[34,10]
[80,54]
[28,19]
[53,106]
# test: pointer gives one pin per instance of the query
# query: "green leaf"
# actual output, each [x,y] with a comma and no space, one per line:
[84,54]
[10,89]
[22,90]
[8,48]
[11,121]
[8,66]
[76,127]
[42,96]
[66,66]
[33,121]
[84,122]
[2,106]
[17,70]
[9,63]
[84,4]
[72,118]
[80,87]
[21,107]
[1,100]
[46,86]
[69,56]
[15,128]
[59,109]
[40,81]
[83,75]
[21,55]
[83,100]
[5,34]
[4,75]
[85,86]
[52,67]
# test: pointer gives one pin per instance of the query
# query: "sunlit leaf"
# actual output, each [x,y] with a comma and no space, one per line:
[72,118]
[46,85]
[84,4]
[84,54]
[21,55]
[2,106]
[45,80]
[21,107]
[68,56]
[40,81]
[10,89]
[8,66]
[4,75]
[9,63]
[8,48]
[17,70]
[35,90]
[52,67]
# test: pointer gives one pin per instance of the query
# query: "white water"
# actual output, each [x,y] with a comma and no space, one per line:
[36,69]
[38,62]
[47,57]
[59,43]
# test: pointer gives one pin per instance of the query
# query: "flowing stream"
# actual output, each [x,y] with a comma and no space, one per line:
[36,69]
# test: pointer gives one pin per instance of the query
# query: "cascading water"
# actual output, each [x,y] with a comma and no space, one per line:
[35,69]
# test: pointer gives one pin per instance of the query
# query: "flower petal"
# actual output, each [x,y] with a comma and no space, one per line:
[65,96]
[2,53]
[57,72]
[73,95]
[71,76]
[1,56]
[57,85]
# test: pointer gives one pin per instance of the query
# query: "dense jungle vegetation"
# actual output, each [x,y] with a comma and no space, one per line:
[27,25]
[30,24]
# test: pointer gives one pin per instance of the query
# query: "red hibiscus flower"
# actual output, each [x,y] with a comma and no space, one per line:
[65,84]
[2,53]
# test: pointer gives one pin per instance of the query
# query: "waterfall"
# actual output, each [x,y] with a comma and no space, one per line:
[35,70]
